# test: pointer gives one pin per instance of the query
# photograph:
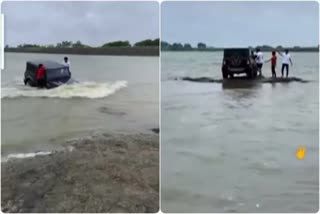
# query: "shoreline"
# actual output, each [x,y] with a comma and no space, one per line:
[121,51]
[101,173]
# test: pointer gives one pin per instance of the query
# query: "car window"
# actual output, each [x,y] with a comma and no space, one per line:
[57,73]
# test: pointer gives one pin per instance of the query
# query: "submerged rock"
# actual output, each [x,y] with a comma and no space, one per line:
[280,79]
[202,79]
[243,79]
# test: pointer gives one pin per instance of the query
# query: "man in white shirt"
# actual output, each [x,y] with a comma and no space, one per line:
[259,60]
[66,62]
[286,59]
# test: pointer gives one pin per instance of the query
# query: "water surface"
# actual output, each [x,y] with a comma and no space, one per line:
[113,94]
[232,148]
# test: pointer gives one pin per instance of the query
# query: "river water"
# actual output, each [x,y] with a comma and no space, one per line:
[233,149]
[113,94]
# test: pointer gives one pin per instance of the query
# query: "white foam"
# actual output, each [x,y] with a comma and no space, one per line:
[25,155]
[81,90]
[70,148]
[31,154]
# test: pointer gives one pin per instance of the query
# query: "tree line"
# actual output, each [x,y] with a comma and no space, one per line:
[79,44]
[180,46]
[202,46]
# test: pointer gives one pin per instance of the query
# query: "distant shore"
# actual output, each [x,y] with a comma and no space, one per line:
[106,173]
[165,46]
[117,51]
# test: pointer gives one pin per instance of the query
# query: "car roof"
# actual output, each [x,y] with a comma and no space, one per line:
[235,49]
[46,63]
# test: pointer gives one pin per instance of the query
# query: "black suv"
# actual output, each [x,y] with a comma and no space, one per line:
[56,73]
[238,61]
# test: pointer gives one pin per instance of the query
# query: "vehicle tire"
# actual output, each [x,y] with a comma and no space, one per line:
[224,74]
[255,73]
[249,74]
[28,82]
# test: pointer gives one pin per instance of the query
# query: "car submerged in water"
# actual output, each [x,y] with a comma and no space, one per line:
[56,73]
[238,61]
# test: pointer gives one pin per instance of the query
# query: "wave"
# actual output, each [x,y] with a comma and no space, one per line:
[76,90]
[33,154]
[24,155]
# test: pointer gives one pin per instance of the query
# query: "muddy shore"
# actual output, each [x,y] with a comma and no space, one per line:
[102,173]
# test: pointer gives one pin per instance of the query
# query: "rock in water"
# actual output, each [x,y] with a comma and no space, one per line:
[280,79]
[243,79]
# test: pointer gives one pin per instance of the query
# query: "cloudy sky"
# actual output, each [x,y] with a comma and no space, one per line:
[93,23]
[227,24]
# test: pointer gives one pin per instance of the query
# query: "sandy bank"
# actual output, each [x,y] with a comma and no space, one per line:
[103,173]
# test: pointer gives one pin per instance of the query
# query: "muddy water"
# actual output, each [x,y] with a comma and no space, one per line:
[232,149]
[110,96]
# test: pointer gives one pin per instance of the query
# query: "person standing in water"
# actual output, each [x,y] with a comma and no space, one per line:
[259,60]
[66,62]
[286,59]
[41,76]
[273,60]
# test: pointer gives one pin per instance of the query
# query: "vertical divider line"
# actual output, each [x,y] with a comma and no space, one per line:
[160,128]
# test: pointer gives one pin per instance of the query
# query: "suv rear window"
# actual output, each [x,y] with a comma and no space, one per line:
[58,73]
[31,67]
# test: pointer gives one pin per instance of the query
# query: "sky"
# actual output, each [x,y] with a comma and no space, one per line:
[93,23]
[241,24]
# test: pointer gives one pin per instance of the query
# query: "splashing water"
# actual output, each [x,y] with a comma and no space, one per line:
[24,155]
[80,90]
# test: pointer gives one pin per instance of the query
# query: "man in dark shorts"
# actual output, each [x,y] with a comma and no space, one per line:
[273,60]
[286,59]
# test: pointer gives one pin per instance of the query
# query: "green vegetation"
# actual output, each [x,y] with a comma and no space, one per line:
[64,44]
[79,44]
[165,46]
[28,46]
[117,44]
[201,45]
[146,47]
[187,46]
[147,43]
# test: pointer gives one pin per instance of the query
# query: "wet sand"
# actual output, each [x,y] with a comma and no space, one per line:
[102,173]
